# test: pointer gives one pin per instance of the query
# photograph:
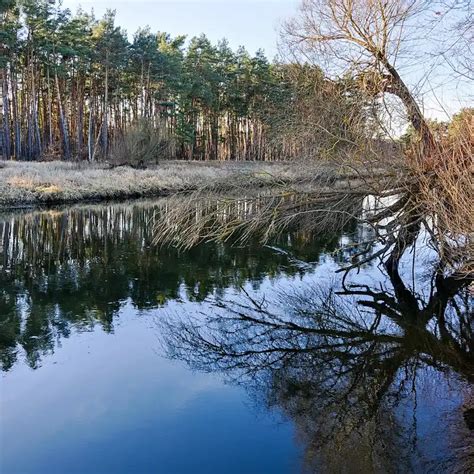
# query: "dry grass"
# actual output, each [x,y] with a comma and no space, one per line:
[23,184]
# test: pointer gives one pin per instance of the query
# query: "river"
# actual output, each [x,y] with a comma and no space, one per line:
[121,356]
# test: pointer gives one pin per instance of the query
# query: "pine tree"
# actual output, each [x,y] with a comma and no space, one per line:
[73,85]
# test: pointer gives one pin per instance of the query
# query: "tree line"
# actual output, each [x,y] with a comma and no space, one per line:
[75,87]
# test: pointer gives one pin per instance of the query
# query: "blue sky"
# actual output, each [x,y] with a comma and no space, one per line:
[251,23]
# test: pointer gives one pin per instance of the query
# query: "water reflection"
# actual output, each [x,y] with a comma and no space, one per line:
[356,369]
[73,269]
[375,378]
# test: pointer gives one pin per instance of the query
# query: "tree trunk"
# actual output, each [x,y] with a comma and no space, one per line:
[394,85]
[90,135]
[16,120]
[5,146]
[105,124]
[63,122]
[80,118]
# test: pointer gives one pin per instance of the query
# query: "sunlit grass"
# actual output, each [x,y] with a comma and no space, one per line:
[28,183]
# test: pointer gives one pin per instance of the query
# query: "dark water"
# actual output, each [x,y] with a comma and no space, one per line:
[119,356]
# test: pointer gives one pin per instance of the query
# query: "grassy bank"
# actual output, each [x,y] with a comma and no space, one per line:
[28,184]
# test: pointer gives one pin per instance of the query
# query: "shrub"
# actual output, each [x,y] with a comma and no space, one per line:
[445,182]
[142,144]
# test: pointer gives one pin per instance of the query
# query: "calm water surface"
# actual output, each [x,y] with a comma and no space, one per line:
[121,357]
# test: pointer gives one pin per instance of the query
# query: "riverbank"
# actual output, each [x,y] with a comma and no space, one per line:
[24,184]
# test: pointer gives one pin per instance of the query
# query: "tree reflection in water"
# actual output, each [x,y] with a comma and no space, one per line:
[75,269]
[349,368]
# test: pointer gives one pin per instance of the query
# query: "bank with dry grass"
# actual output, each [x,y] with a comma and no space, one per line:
[30,183]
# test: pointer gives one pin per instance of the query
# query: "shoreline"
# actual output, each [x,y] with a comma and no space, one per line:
[29,185]
[26,185]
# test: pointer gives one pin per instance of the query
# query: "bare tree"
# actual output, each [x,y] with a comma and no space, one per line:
[364,37]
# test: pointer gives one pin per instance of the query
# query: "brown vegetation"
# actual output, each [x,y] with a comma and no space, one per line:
[445,192]
[143,144]
[26,183]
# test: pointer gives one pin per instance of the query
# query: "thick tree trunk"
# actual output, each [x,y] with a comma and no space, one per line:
[395,85]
